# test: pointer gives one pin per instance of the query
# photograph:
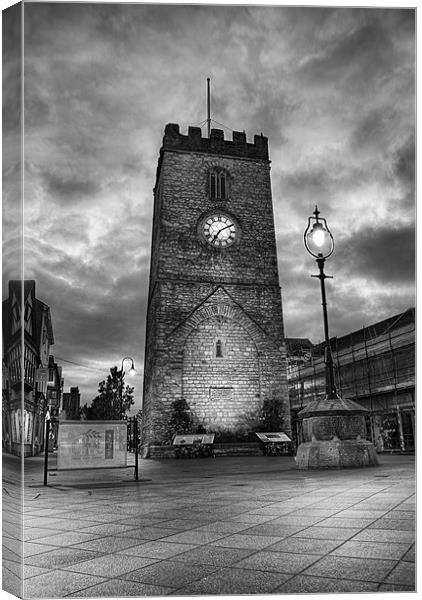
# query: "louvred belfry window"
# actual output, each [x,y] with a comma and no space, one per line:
[218,184]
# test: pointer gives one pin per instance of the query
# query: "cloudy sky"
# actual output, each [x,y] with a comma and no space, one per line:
[332,88]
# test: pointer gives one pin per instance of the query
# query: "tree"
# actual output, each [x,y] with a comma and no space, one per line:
[181,419]
[272,415]
[113,399]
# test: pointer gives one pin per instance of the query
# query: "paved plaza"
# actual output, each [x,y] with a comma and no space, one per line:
[244,525]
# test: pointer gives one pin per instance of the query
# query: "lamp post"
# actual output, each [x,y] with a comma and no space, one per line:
[132,372]
[334,428]
[319,242]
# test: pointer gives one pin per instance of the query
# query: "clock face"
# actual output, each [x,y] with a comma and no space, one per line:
[219,230]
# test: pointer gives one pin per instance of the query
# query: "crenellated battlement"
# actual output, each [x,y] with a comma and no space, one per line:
[193,141]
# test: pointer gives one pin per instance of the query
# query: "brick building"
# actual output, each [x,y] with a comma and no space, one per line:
[375,366]
[215,326]
[25,399]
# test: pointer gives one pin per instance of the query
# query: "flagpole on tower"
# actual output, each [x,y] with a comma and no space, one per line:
[208,107]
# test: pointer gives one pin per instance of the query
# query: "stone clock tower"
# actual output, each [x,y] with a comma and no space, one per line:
[214,333]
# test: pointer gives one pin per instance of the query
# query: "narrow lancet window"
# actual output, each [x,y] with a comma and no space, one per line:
[219,349]
[218,188]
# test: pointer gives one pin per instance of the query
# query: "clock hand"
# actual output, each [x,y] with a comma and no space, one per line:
[219,231]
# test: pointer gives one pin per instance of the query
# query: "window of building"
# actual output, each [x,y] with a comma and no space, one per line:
[219,349]
[28,321]
[218,184]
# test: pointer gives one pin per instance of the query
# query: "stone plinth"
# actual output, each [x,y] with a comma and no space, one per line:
[334,433]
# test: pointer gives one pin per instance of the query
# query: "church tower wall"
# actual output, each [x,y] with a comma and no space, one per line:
[215,325]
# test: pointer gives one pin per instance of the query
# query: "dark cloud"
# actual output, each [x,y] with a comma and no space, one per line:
[386,255]
[12,70]
[404,163]
[69,188]
[374,129]
[364,52]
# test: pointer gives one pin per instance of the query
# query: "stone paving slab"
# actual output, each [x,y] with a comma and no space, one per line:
[231,580]
[317,585]
[340,567]
[216,527]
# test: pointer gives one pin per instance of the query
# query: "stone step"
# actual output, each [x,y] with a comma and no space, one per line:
[239,449]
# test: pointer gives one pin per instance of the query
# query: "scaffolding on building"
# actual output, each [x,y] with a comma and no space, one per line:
[374,366]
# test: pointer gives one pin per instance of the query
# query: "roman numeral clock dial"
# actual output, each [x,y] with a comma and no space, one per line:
[219,230]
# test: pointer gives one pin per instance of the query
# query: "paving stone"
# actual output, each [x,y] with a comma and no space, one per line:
[109,565]
[301,520]
[11,582]
[401,524]
[149,533]
[352,523]
[214,555]
[225,527]
[305,545]
[194,536]
[67,538]
[235,581]
[327,533]
[157,549]
[59,557]
[107,529]
[170,573]
[240,540]
[105,545]
[395,587]
[385,535]
[400,514]
[280,529]
[410,555]
[114,588]
[31,548]
[313,512]
[361,549]
[32,533]
[279,562]
[31,571]
[351,568]
[12,566]
[57,584]
[181,524]
[304,584]
[403,573]
[252,518]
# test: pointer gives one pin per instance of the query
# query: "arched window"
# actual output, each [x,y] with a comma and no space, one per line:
[218,184]
[219,349]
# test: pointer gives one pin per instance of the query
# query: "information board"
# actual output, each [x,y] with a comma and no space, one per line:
[275,437]
[188,439]
[91,444]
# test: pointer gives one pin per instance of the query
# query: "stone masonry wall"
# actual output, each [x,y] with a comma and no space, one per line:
[222,391]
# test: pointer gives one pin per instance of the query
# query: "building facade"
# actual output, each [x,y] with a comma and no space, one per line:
[71,405]
[25,394]
[214,337]
[375,366]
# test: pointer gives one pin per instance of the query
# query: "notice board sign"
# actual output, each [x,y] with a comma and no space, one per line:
[91,444]
[189,440]
[273,437]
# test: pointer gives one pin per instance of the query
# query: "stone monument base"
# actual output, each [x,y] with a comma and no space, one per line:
[336,454]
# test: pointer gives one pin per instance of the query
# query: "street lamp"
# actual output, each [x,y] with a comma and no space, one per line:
[333,427]
[132,372]
[319,242]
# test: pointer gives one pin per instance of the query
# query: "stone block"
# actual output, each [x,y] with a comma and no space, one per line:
[335,454]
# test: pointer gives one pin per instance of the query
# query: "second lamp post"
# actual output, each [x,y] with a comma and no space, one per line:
[132,372]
